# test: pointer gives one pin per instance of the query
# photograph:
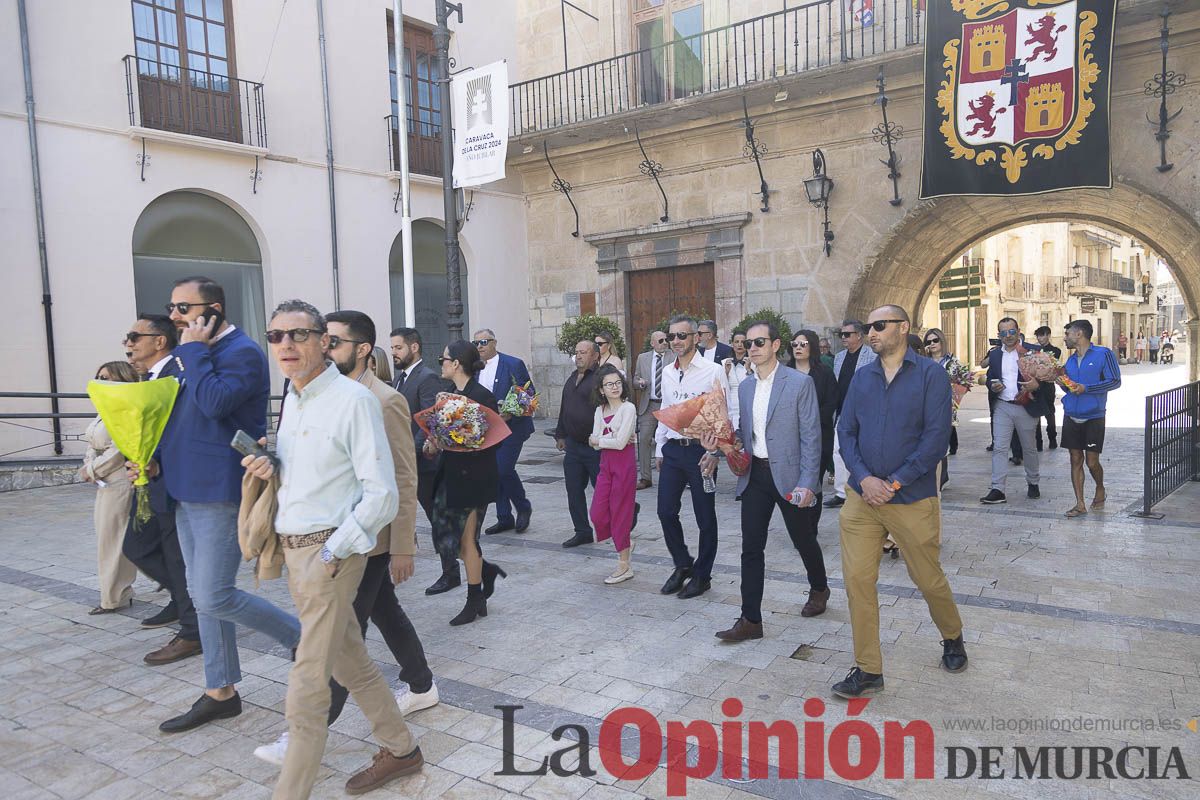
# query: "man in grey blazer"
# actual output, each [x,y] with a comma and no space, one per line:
[849,360]
[420,384]
[779,427]
[647,379]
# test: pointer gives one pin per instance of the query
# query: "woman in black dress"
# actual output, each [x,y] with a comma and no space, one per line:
[463,486]
[807,351]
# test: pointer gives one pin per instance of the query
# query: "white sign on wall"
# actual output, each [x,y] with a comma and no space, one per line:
[479,103]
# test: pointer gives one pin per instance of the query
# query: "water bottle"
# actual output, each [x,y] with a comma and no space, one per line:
[710,483]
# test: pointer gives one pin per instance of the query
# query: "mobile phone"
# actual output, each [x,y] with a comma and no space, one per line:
[214,313]
[244,444]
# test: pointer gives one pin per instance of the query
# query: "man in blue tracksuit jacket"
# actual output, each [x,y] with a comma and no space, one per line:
[1093,372]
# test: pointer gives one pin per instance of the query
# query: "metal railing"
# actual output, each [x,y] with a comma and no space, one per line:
[1053,288]
[424,146]
[168,97]
[1020,286]
[1172,444]
[812,36]
[1099,278]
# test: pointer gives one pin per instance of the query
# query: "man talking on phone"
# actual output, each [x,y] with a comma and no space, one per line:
[224,386]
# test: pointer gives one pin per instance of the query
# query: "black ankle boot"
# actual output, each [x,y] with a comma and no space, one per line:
[476,605]
[490,572]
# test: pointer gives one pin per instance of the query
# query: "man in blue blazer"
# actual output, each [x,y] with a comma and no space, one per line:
[224,386]
[500,373]
[779,426]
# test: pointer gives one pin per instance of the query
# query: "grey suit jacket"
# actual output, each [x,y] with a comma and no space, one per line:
[865,356]
[793,430]
[420,390]
[645,370]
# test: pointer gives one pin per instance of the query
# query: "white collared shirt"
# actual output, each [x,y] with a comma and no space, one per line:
[487,376]
[1010,373]
[710,354]
[676,388]
[230,328]
[408,372]
[736,374]
[158,367]
[337,469]
[762,403]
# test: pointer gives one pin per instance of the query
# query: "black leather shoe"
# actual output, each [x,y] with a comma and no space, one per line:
[1053,442]
[202,711]
[499,527]
[994,497]
[577,540]
[954,655]
[448,581]
[168,615]
[695,587]
[1034,492]
[858,684]
[523,520]
[675,582]
[835,502]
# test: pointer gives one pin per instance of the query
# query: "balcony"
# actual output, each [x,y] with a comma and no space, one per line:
[424,146]
[1054,289]
[1088,280]
[809,37]
[1020,286]
[167,97]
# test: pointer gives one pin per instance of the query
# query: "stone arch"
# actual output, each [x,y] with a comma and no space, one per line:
[907,260]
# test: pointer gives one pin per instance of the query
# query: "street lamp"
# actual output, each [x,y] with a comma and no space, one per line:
[818,188]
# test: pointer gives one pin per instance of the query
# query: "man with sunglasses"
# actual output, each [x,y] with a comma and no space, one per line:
[679,467]
[500,373]
[894,430]
[848,361]
[1019,406]
[647,378]
[224,389]
[708,345]
[1043,339]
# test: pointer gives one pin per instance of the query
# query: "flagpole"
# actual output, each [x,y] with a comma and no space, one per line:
[406,251]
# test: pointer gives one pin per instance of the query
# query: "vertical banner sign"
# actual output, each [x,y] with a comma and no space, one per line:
[480,110]
[1016,96]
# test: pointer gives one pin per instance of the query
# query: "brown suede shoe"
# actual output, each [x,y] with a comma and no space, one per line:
[175,650]
[644,485]
[816,603]
[385,767]
[741,631]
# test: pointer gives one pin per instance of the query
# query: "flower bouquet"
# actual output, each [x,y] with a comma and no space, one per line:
[460,425]
[707,413]
[521,401]
[960,380]
[1035,365]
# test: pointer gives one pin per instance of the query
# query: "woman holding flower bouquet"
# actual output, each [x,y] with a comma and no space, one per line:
[960,384]
[613,432]
[464,485]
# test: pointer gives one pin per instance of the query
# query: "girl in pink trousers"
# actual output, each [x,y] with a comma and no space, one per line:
[613,434]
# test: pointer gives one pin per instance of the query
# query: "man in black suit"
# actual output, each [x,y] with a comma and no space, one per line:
[420,384]
[707,345]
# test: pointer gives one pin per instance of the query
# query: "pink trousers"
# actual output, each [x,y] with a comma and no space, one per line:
[612,502]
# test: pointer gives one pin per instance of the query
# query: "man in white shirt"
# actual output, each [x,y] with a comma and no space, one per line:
[1004,381]
[678,459]
[337,489]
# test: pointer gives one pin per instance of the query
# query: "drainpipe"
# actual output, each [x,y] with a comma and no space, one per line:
[337,297]
[39,214]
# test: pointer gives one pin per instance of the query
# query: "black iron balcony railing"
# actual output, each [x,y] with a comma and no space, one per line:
[167,97]
[1098,278]
[812,36]
[424,146]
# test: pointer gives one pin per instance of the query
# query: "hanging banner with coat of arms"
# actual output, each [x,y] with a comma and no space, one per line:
[1016,96]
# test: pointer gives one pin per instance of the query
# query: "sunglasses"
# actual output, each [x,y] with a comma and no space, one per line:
[932,340]
[601,341]
[680,336]
[133,336]
[444,359]
[879,324]
[846,334]
[338,341]
[799,343]
[482,342]
[297,335]
[760,341]
[183,308]
[1008,332]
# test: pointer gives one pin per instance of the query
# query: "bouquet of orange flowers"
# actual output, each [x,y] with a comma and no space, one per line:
[706,414]
[459,424]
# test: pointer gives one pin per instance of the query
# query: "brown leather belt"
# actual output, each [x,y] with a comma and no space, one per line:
[305,539]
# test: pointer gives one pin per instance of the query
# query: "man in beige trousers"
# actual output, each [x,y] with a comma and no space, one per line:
[337,489]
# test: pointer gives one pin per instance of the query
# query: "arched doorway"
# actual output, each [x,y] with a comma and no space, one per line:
[189,233]
[429,284]
[907,261]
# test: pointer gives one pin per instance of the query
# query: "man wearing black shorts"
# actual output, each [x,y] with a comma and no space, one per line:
[1092,372]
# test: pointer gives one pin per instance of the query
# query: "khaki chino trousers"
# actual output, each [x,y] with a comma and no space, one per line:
[917,529]
[331,643]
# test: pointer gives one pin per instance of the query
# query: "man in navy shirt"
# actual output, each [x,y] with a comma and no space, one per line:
[1094,373]
[894,429]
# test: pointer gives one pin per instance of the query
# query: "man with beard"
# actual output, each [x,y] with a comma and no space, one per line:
[153,546]
[500,373]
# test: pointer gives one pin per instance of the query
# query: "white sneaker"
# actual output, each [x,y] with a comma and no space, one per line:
[273,753]
[411,702]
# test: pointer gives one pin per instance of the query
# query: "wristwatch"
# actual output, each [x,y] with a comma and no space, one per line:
[327,556]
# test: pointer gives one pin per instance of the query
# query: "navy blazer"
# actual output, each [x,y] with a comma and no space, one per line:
[161,501]
[1042,403]
[724,351]
[512,370]
[224,388]
[421,389]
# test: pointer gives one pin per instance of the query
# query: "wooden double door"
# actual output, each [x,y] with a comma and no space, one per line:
[656,294]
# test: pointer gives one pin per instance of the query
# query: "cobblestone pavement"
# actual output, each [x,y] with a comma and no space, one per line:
[1095,619]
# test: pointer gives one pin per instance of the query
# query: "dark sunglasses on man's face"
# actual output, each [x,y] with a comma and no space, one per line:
[183,308]
[297,335]
[680,336]
[880,324]
[846,334]
[133,336]
[482,342]
[758,341]
[338,341]
[1008,332]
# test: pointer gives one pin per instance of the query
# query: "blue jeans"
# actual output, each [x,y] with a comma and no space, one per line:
[581,466]
[510,493]
[208,538]
[681,469]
